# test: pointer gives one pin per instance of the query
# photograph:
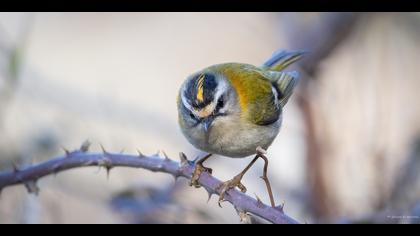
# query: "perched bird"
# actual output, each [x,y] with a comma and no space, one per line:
[235,110]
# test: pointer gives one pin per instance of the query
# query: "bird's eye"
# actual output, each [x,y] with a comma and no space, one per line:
[192,116]
[220,103]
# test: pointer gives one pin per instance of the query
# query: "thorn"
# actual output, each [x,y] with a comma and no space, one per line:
[209,197]
[210,193]
[258,199]
[140,154]
[32,187]
[106,163]
[85,146]
[108,171]
[104,151]
[259,202]
[66,151]
[280,207]
[15,168]
[165,155]
[184,159]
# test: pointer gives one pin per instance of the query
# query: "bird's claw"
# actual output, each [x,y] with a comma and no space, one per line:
[228,185]
[199,168]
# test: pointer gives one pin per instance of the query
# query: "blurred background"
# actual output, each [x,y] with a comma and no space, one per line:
[348,151]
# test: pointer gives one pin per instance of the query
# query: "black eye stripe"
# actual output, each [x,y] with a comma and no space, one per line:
[220,103]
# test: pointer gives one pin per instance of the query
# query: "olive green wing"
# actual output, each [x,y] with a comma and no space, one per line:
[262,93]
[265,110]
[263,105]
[284,83]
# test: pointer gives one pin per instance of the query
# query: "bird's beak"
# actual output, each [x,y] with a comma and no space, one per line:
[207,123]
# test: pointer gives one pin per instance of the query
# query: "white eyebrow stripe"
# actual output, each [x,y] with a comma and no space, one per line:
[221,88]
[184,101]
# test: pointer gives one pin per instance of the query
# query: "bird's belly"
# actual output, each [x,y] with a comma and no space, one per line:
[239,140]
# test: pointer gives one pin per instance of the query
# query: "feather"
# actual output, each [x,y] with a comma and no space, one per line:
[281,59]
[285,84]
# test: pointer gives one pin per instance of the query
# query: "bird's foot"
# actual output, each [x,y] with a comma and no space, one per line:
[199,168]
[228,185]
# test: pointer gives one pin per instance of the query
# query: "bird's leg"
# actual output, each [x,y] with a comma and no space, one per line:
[261,153]
[199,168]
[235,182]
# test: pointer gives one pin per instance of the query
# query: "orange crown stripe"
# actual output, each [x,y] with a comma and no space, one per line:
[200,88]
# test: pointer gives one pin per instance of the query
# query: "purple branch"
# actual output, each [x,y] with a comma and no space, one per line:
[80,158]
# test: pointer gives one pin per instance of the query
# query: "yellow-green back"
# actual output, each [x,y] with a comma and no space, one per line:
[254,91]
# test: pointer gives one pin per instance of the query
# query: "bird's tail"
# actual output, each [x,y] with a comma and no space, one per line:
[281,59]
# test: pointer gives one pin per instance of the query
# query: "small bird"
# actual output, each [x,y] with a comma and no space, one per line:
[235,110]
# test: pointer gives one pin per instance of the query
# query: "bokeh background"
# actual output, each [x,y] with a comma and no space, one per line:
[348,151]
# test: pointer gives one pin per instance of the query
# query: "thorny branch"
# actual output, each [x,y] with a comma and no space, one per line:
[82,158]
